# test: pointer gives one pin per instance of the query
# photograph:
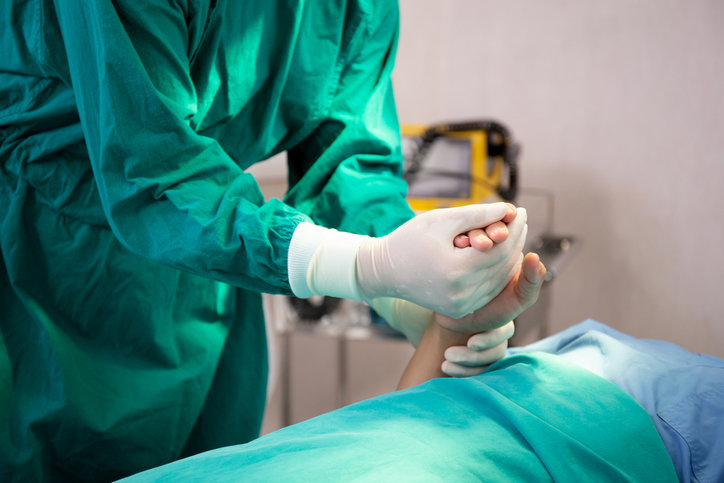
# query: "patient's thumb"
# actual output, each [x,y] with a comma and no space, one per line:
[531,278]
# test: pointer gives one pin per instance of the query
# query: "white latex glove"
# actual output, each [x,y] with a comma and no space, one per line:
[408,318]
[418,261]
[483,349]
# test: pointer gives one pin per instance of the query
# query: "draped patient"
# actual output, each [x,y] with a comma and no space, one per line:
[659,384]
[511,423]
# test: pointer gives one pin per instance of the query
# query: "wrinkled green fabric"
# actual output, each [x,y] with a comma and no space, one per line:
[133,244]
[530,417]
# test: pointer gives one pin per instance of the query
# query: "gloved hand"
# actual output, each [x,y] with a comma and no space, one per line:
[404,316]
[489,346]
[490,324]
[411,319]
[418,261]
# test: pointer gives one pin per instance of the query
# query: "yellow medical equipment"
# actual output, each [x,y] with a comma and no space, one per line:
[454,164]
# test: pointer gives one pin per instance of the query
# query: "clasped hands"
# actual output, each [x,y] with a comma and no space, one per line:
[483,308]
[492,325]
[465,263]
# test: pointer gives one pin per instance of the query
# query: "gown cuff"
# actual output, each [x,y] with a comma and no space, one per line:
[322,261]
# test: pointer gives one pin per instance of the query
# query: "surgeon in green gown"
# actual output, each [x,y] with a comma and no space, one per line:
[134,247]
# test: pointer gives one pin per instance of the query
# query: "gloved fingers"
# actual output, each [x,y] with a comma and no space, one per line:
[491,338]
[476,295]
[483,238]
[504,271]
[462,219]
[496,268]
[468,368]
[511,214]
[517,231]
[468,357]
[456,370]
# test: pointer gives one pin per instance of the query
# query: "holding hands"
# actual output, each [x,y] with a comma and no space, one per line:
[448,261]
[484,238]
[419,262]
[491,325]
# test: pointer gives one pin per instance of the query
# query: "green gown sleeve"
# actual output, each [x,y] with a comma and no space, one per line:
[168,193]
[347,173]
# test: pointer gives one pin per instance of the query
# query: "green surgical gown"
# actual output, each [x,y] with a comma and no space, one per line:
[134,246]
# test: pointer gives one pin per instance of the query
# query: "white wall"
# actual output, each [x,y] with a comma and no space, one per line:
[619,107]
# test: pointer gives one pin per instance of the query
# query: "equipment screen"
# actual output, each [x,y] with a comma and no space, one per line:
[445,172]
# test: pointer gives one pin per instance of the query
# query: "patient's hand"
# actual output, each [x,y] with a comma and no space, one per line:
[484,238]
[491,324]
[520,293]
[444,334]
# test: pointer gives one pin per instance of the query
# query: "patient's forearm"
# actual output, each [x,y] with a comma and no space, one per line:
[427,359]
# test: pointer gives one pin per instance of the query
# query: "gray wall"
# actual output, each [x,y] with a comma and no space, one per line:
[619,109]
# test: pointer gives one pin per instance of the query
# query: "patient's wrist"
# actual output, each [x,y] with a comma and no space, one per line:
[447,337]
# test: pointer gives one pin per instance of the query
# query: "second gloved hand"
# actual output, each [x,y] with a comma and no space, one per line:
[418,261]
[461,361]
